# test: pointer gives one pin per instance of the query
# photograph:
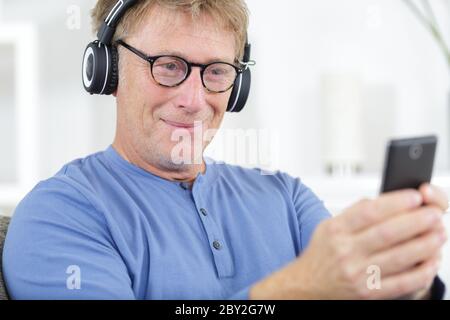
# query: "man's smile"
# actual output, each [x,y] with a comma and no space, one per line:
[182,125]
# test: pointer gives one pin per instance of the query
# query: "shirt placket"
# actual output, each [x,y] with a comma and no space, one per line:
[216,241]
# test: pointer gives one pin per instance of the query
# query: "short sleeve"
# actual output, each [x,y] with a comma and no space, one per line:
[58,247]
[310,210]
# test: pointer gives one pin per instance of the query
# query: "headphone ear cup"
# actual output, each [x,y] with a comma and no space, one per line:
[90,66]
[113,76]
[100,68]
[241,91]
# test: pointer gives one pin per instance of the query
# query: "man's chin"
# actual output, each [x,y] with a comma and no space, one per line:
[179,166]
[181,158]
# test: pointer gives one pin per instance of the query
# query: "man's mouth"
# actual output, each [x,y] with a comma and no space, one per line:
[181,125]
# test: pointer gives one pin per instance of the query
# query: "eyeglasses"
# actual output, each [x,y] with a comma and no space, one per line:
[171,71]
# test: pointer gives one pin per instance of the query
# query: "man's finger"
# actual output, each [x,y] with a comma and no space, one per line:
[369,212]
[398,229]
[434,195]
[407,282]
[406,255]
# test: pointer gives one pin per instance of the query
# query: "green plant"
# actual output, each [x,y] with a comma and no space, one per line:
[428,19]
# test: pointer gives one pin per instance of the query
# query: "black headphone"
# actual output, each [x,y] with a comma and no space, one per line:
[100,62]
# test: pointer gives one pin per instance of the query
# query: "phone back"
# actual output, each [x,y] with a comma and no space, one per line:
[409,163]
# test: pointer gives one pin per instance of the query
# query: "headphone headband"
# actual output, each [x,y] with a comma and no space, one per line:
[108,28]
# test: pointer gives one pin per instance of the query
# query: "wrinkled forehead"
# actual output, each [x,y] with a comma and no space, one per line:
[166,27]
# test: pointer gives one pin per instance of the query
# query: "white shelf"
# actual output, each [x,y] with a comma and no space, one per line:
[339,193]
[11,195]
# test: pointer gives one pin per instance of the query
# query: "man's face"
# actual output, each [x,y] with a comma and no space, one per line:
[149,114]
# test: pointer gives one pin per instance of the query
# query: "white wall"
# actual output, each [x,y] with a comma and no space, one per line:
[405,74]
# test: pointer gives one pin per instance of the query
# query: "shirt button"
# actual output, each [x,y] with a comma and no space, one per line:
[204,212]
[185,185]
[216,245]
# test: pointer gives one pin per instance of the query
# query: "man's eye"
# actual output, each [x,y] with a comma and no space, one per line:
[218,71]
[170,66]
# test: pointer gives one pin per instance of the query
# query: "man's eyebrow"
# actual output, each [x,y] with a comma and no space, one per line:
[182,55]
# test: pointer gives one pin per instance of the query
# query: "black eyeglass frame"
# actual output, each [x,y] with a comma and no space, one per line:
[151,60]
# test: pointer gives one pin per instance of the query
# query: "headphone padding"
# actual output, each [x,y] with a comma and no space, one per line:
[240,93]
[113,76]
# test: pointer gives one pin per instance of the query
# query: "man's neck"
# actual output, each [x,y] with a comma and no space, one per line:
[187,176]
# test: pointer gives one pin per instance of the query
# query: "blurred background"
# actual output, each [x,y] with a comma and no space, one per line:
[334,81]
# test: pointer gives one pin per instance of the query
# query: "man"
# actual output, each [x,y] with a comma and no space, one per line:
[134,222]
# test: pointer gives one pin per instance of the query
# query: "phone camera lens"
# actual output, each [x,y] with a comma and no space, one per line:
[415,152]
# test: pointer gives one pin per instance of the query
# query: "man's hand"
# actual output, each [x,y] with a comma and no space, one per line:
[399,234]
[431,195]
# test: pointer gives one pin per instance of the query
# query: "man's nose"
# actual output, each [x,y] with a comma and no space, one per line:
[192,93]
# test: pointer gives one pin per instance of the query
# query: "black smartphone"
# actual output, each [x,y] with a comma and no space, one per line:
[408,163]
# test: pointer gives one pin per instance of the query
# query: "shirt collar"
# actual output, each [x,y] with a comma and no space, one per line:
[206,179]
